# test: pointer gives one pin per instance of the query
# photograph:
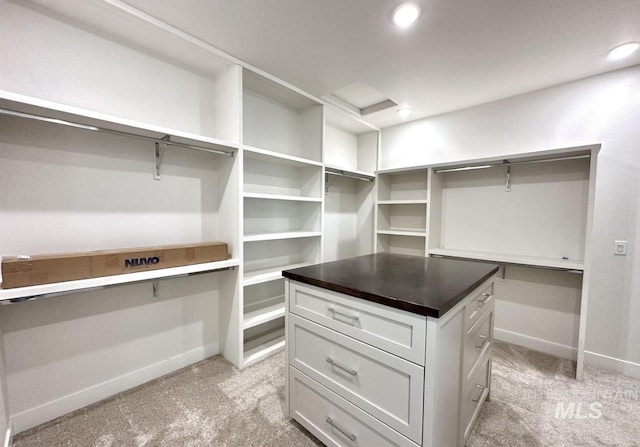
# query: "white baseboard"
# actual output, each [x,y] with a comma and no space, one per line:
[66,404]
[537,344]
[612,364]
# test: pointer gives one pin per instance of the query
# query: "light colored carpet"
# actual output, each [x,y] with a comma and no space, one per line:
[213,404]
[535,402]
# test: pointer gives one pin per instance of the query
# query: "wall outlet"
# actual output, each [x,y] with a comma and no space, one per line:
[620,248]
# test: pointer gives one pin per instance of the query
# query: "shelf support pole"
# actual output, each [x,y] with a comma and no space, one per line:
[160,155]
[508,181]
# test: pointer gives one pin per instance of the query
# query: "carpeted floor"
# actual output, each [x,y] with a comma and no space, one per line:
[213,404]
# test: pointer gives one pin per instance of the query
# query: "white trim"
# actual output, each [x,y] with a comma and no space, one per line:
[537,344]
[625,367]
[8,437]
[71,402]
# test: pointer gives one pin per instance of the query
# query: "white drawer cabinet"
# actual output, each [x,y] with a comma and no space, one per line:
[475,394]
[365,374]
[392,330]
[385,386]
[477,342]
[335,421]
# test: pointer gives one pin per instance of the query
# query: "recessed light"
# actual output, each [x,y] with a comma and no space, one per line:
[404,112]
[623,51]
[405,14]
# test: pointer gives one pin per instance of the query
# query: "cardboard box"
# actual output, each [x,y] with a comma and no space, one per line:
[21,271]
[115,262]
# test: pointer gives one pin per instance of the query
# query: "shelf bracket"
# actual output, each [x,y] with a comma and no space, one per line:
[503,272]
[160,150]
[154,286]
[328,185]
[508,180]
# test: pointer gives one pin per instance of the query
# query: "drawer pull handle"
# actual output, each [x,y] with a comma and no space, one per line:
[341,430]
[334,312]
[485,339]
[485,297]
[351,371]
[481,388]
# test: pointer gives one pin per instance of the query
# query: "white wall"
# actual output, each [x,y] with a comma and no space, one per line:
[54,60]
[67,190]
[603,109]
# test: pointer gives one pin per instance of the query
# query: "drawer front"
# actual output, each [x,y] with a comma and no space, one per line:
[477,342]
[385,386]
[482,298]
[335,421]
[475,395]
[398,332]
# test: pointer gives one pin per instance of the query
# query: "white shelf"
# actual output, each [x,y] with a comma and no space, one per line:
[61,288]
[251,195]
[281,157]
[270,274]
[502,258]
[270,310]
[280,236]
[264,346]
[404,232]
[402,202]
[88,119]
[353,173]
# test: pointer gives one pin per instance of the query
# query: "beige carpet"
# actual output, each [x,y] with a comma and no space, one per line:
[213,404]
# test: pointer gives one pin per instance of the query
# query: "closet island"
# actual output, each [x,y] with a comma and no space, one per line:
[389,349]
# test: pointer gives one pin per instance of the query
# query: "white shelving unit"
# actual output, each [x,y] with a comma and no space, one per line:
[529,213]
[282,204]
[351,148]
[78,127]
[401,211]
[83,180]
[532,215]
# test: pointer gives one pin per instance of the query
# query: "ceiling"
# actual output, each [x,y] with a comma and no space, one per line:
[460,53]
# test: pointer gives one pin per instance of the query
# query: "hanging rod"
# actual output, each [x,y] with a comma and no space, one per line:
[507,163]
[163,140]
[356,175]
[154,282]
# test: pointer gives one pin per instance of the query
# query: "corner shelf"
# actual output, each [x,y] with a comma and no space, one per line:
[268,274]
[282,197]
[8,296]
[270,309]
[262,347]
[403,232]
[281,236]
[256,152]
[402,202]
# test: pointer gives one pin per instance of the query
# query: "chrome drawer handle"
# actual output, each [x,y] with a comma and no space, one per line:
[334,312]
[341,430]
[481,388]
[351,371]
[485,297]
[485,339]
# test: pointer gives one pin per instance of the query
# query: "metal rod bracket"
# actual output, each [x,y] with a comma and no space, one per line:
[160,150]
[154,286]
[508,180]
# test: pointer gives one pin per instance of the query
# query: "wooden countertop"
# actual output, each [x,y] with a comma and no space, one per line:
[425,286]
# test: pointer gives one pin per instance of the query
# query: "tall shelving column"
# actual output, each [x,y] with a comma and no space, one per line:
[401,211]
[282,204]
[350,150]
